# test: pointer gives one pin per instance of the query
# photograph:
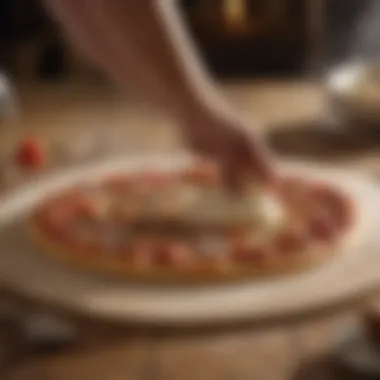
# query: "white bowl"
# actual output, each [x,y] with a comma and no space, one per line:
[353,92]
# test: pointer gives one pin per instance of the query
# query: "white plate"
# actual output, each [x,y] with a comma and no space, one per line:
[352,272]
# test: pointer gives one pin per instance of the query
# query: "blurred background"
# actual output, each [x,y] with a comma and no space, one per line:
[236,37]
[275,60]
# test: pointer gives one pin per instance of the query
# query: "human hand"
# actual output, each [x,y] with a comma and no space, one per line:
[227,140]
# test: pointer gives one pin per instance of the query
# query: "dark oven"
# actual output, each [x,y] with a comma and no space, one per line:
[235,37]
[240,37]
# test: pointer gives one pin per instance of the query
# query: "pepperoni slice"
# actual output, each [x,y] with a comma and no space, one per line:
[140,254]
[337,205]
[57,215]
[247,247]
[322,229]
[56,219]
[93,207]
[61,233]
[173,254]
[292,241]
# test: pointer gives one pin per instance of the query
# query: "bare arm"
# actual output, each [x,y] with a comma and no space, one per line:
[143,44]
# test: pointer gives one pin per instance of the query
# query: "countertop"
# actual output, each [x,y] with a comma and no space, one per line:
[73,114]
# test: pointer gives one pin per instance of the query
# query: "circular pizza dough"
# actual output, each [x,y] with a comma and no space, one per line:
[350,273]
[276,253]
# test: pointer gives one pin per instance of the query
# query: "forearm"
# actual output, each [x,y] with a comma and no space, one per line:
[143,44]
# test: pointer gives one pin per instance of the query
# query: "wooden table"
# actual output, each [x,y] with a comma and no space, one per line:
[276,351]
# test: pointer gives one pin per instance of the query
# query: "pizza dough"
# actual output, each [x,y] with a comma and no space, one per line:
[184,226]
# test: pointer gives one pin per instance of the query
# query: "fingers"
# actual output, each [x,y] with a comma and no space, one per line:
[262,165]
[232,177]
[247,162]
[243,157]
[259,160]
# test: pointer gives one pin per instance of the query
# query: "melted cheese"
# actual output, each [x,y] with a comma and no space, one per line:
[211,205]
[255,208]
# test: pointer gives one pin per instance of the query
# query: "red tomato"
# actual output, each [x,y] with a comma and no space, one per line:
[31,153]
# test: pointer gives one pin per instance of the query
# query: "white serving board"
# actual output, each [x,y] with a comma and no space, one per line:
[352,272]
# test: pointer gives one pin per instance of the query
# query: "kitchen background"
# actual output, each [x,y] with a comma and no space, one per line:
[236,37]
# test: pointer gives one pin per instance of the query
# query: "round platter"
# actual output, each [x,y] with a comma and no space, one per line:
[349,273]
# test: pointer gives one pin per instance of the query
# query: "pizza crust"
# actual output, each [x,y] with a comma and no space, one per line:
[220,268]
[282,265]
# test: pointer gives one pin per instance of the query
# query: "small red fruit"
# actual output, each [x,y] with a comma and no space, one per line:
[31,154]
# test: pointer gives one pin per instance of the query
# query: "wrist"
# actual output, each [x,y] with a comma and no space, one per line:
[202,111]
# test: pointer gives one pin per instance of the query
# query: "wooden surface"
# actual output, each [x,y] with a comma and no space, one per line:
[273,352]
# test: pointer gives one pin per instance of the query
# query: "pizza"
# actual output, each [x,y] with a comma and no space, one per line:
[184,225]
